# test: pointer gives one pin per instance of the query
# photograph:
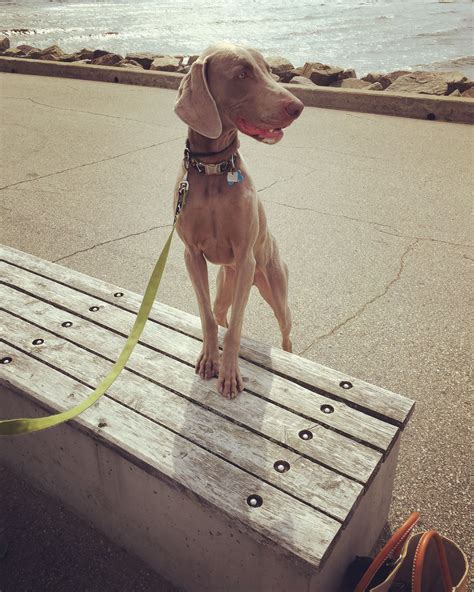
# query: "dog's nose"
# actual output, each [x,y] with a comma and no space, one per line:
[294,108]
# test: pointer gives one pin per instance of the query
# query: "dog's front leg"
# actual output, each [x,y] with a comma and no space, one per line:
[207,365]
[230,380]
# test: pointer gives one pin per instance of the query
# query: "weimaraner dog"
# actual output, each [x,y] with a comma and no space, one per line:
[227,90]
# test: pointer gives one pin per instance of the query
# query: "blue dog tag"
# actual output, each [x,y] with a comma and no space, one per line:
[234,177]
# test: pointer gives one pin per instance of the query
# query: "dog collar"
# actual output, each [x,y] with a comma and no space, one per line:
[204,168]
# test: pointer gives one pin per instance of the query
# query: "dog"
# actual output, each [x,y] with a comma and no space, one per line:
[230,89]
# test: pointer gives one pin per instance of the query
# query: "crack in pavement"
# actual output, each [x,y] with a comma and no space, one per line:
[364,306]
[282,181]
[112,240]
[86,164]
[89,112]
[370,222]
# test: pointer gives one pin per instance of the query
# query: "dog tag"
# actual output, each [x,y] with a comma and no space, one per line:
[234,177]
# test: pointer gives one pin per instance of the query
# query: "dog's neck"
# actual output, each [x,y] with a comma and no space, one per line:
[223,146]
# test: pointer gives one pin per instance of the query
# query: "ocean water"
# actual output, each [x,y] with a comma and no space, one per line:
[366,35]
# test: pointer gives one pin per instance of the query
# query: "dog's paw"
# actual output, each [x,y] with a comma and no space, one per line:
[207,365]
[230,382]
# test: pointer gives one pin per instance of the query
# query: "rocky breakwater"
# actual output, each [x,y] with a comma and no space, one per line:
[401,81]
[99,57]
[312,74]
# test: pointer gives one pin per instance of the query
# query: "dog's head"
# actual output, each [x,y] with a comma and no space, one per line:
[232,87]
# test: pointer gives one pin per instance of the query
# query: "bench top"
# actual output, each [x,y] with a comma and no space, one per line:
[305,439]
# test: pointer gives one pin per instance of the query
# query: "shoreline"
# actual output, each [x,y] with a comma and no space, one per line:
[311,74]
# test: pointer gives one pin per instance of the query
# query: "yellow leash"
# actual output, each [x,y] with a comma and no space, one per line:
[11,427]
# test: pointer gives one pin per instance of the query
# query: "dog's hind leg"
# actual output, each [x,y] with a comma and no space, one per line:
[272,282]
[225,288]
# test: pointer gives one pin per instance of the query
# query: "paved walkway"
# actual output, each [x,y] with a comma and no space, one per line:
[370,212]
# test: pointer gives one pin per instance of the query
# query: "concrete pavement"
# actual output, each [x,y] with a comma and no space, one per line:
[371,214]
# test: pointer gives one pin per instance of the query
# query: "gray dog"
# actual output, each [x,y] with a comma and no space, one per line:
[230,89]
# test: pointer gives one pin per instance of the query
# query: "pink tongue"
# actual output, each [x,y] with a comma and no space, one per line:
[248,128]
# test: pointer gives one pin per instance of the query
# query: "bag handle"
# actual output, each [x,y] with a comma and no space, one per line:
[392,548]
[419,560]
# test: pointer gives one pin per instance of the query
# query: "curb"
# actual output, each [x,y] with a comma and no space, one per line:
[452,109]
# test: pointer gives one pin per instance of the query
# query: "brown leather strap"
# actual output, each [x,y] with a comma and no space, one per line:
[419,561]
[392,549]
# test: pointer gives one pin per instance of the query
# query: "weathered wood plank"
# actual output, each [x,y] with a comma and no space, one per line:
[343,418]
[378,401]
[281,520]
[330,448]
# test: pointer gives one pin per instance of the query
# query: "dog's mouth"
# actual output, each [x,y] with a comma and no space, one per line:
[262,134]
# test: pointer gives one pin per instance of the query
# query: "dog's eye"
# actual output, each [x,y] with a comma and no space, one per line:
[242,75]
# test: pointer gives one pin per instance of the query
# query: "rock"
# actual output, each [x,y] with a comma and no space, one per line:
[373,77]
[375,86]
[192,59]
[298,71]
[127,63]
[279,65]
[13,52]
[143,58]
[466,85]
[53,52]
[26,49]
[350,73]
[427,83]
[82,54]
[351,83]
[109,59]
[387,79]
[4,43]
[455,93]
[98,53]
[469,93]
[302,80]
[321,74]
[166,64]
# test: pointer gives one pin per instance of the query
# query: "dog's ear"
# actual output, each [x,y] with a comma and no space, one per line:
[195,105]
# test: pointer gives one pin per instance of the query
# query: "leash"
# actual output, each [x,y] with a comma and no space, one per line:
[11,427]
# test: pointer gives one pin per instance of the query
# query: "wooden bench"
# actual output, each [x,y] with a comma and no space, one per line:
[276,490]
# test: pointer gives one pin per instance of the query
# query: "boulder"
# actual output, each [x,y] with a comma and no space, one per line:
[350,73]
[428,83]
[192,59]
[144,58]
[4,43]
[166,64]
[455,93]
[351,83]
[298,71]
[13,52]
[109,59]
[302,80]
[373,77]
[466,85]
[469,93]
[387,79]
[279,65]
[26,49]
[375,86]
[82,54]
[321,74]
[53,53]
[127,63]
[98,53]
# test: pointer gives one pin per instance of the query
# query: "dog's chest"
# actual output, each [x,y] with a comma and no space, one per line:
[214,220]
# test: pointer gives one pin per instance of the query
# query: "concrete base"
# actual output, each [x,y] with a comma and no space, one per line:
[460,110]
[176,535]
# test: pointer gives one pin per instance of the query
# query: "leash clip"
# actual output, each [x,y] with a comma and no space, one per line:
[183,189]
